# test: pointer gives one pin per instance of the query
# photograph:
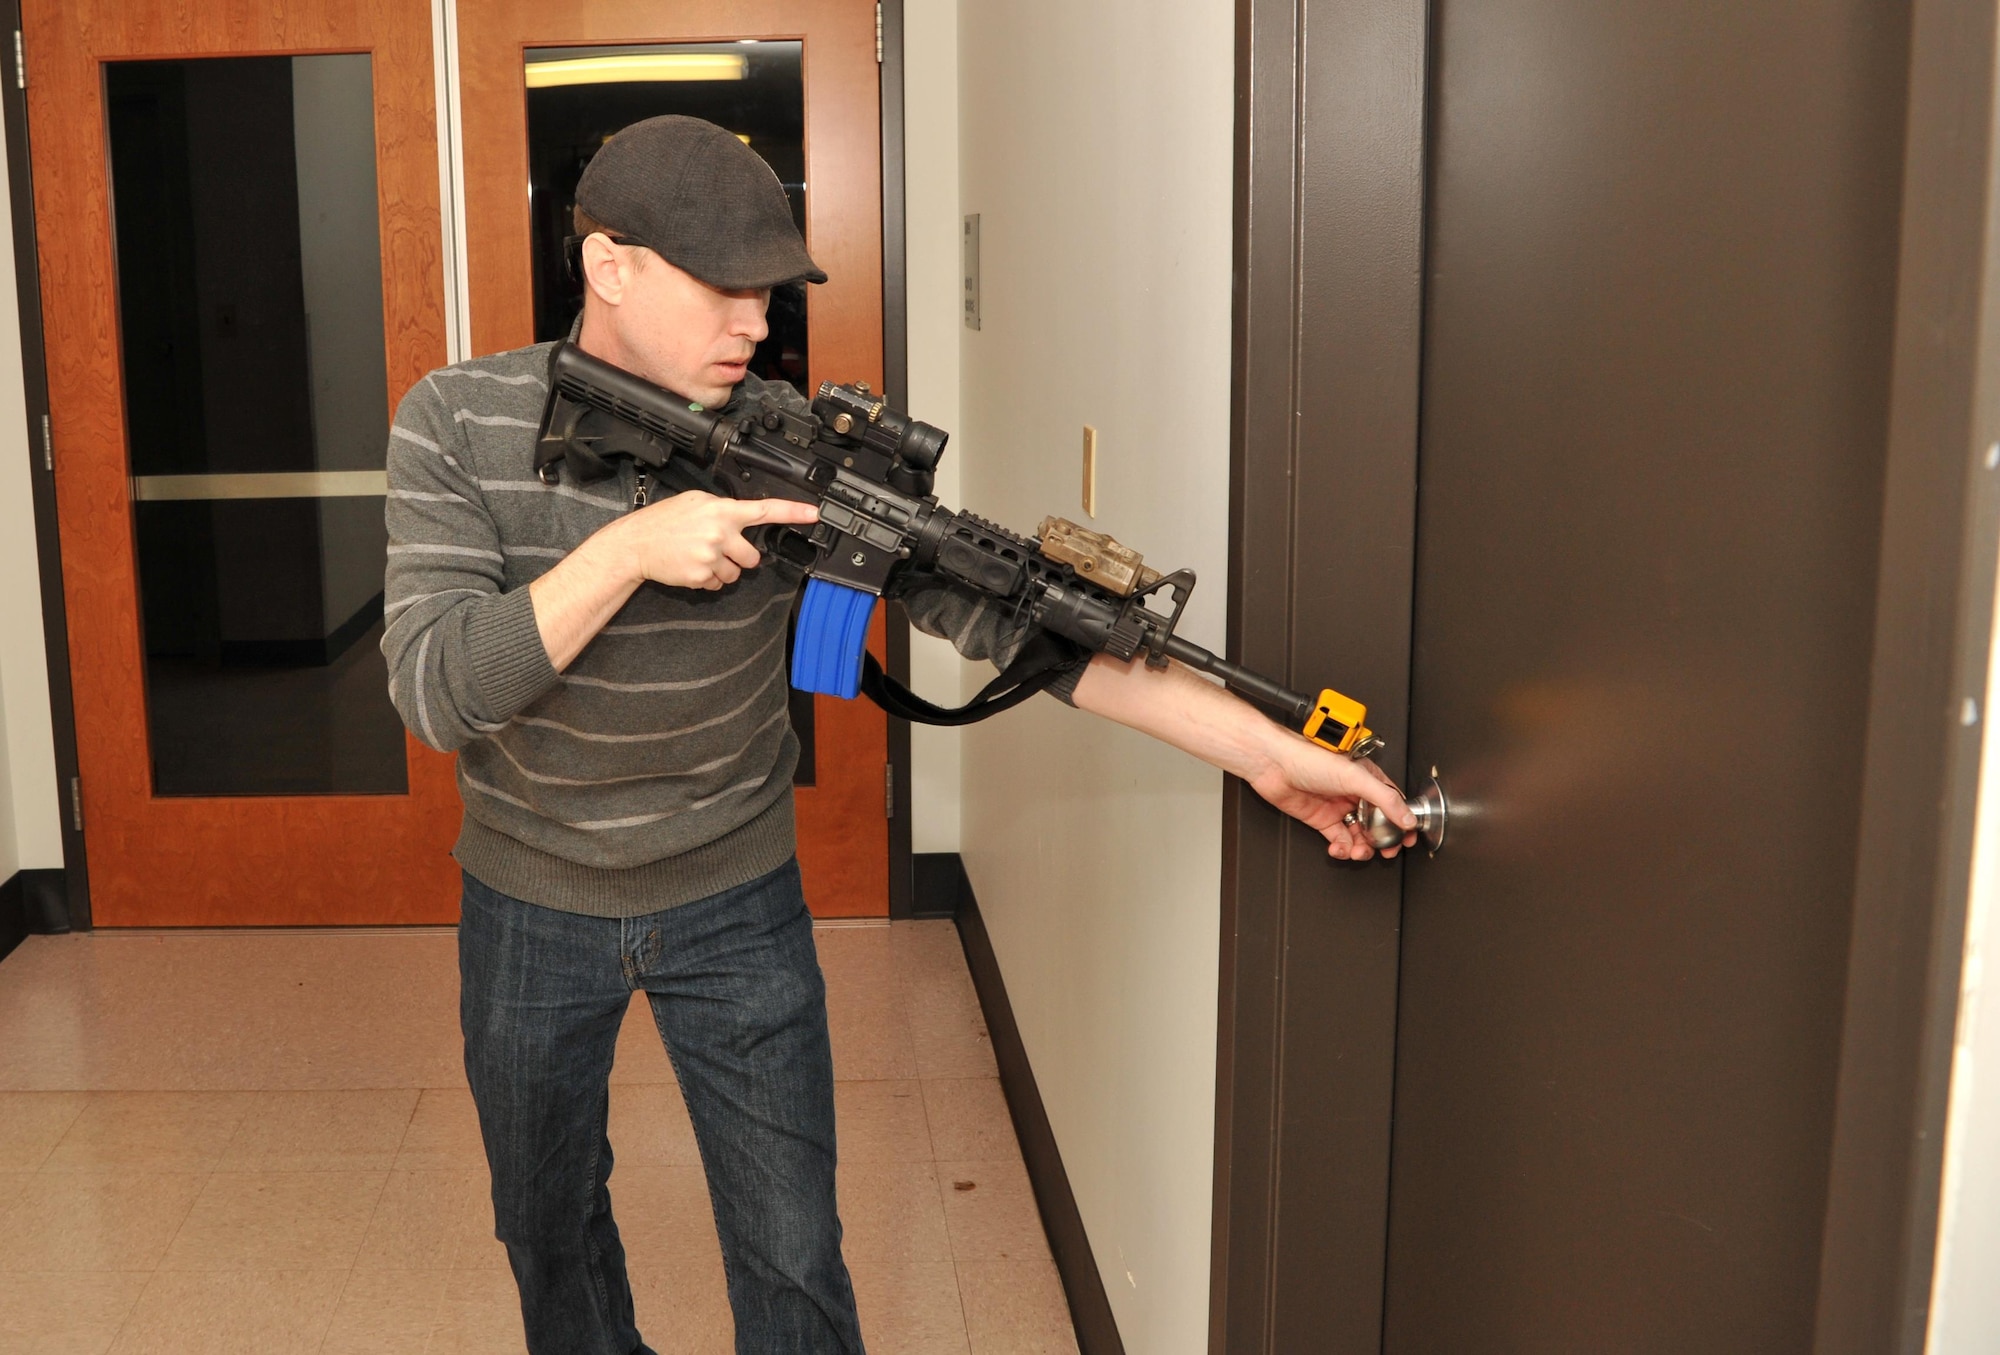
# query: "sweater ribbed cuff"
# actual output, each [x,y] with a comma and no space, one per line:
[509,664]
[1063,688]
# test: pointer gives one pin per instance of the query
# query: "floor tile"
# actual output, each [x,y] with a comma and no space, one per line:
[218,1011]
[95,1220]
[881,1121]
[640,1057]
[649,1126]
[479,1315]
[664,1216]
[891,1213]
[32,1122]
[247,1116]
[1015,1308]
[386,1312]
[320,1131]
[990,1212]
[428,1221]
[857,958]
[683,1309]
[910,1309]
[948,1031]
[969,1120]
[232,1313]
[277,1221]
[871,1034]
[443,1133]
[149,1131]
[66,1313]
[926,948]
[936,978]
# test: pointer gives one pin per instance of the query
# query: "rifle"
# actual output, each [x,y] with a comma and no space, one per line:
[869,468]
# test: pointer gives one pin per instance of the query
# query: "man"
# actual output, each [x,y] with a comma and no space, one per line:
[608,660]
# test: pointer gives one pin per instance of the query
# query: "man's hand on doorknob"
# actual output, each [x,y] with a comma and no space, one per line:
[1324,790]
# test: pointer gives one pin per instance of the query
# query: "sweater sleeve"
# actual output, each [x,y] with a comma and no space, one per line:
[464,653]
[978,629]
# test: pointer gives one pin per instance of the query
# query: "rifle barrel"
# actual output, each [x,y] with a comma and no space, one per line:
[1275,699]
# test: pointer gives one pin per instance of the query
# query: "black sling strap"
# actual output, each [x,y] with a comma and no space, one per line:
[1042,660]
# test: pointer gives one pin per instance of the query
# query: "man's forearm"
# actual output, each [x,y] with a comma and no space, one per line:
[1178,706]
[577,598]
[1313,784]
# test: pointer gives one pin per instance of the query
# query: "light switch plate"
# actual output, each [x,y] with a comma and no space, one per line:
[1089,471]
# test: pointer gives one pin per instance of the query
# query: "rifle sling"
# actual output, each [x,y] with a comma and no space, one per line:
[1042,660]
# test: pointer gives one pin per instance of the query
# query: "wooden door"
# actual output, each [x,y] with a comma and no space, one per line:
[1661,301]
[843,824]
[245,858]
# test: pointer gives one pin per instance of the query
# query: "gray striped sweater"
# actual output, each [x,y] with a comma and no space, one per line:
[657,769]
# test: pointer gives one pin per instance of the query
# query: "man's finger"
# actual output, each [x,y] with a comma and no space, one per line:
[749,512]
[741,551]
[1383,794]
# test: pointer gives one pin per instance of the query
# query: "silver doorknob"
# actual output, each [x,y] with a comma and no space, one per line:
[1433,812]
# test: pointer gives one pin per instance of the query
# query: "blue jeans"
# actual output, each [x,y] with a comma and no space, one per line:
[737,994]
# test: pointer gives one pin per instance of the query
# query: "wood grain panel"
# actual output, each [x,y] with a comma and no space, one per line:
[226,861]
[843,832]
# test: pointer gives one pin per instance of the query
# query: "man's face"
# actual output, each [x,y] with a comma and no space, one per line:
[668,325]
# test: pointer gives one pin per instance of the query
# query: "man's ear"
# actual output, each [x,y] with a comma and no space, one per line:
[605,269]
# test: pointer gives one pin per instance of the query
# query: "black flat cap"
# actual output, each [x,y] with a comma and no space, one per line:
[701,200]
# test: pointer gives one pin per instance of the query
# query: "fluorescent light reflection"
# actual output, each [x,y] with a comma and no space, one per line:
[636,67]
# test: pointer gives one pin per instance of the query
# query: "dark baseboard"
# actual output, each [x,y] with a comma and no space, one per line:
[1089,1306]
[32,901]
[13,914]
[940,885]
[47,897]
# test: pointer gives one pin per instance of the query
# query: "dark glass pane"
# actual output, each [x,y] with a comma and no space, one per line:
[256,399]
[579,96]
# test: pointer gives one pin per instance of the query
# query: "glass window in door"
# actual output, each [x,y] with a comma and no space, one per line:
[250,309]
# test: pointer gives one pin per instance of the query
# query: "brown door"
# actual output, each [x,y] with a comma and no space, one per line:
[261,183]
[798,80]
[1660,300]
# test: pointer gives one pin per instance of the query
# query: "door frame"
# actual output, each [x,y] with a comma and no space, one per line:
[896,388]
[1329,132]
[1331,105]
[75,890]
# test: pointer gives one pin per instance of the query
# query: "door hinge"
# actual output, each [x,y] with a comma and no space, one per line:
[20,62]
[878,35]
[76,802]
[48,447]
[889,790]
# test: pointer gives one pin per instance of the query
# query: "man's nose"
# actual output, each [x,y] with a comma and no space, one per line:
[751,322]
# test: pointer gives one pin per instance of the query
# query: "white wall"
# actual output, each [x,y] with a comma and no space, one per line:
[1095,143]
[930,206]
[1965,1304]
[30,832]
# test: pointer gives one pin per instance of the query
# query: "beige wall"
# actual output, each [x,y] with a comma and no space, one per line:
[1094,141]
[1965,1308]
[30,833]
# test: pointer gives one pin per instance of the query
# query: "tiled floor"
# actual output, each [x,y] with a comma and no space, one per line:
[224,1142]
